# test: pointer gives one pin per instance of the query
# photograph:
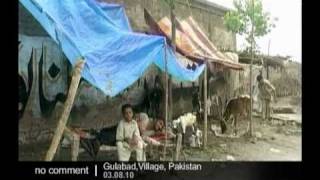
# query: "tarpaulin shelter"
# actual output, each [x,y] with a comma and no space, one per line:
[191,41]
[114,56]
[101,34]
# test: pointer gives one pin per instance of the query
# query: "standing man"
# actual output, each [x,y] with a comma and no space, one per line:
[128,136]
[266,93]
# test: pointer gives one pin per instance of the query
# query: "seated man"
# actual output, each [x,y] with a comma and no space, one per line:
[152,131]
[128,136]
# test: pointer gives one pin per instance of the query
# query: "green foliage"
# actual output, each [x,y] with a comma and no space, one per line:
[170,2]
[245,15]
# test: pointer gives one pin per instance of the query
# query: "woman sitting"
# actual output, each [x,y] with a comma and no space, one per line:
[152,131]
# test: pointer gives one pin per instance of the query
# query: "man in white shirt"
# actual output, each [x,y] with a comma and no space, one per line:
[128,136]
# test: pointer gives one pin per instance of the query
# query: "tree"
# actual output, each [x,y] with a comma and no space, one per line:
[249,19]
[249,13]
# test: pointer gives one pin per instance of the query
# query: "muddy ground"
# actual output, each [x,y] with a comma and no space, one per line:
[272,141]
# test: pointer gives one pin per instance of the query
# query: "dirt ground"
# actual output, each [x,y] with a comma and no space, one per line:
[277,141]
[273,141]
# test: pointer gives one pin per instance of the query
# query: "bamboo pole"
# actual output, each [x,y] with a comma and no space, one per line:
[205,137]
[66,111]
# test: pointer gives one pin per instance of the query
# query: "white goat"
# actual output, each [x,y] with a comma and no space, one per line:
[184,121]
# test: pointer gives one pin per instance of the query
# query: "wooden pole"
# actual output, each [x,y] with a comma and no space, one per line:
[205,137]
[267,64]
[173,44]
[267,72]
[178,147]
[166,97]
[251,98]
[169,98]
[75,147]
[75,142]
[66,111]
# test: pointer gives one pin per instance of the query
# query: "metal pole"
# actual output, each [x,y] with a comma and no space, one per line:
[251,99]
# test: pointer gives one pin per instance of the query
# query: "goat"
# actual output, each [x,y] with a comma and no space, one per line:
[184,121]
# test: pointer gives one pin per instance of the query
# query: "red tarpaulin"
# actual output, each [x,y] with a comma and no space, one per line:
[191,41]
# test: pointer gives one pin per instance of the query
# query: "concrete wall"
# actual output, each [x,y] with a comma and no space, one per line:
[208,17]
[28,25]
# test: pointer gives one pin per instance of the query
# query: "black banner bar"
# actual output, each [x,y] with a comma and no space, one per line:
[161,170]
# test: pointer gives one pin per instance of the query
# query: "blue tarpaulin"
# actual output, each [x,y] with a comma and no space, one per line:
[101,34]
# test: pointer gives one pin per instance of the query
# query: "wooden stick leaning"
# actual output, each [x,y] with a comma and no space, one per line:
[66,111]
